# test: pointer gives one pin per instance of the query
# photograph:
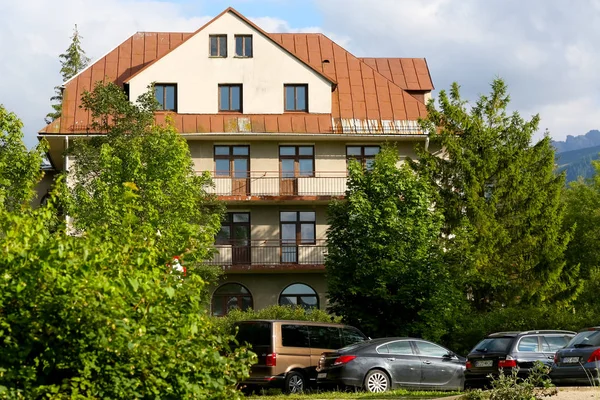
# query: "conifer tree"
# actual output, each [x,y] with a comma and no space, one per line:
[72,61]
[500,198]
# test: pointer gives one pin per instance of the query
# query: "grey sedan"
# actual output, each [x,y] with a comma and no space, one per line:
[379,365]
[578,363]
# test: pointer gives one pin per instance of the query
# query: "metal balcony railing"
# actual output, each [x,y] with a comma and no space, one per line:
[269,252]
[274,184]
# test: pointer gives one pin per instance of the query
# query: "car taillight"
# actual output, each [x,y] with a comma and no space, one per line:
[468,364]
[508,363]
[343,360]
[271,360]
[595,356]
[556,359]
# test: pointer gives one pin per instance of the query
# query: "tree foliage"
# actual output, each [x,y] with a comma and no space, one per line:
[72,61]
[154,161]
[384,269]
[20,169]
[100,316]
[500,199]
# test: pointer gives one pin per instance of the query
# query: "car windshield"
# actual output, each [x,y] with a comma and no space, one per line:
[493,345]
[586,339]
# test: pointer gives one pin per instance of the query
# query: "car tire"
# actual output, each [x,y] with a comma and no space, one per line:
[377,381]
[294,382]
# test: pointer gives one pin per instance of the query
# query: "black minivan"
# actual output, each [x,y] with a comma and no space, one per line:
[506,350]
[289,351]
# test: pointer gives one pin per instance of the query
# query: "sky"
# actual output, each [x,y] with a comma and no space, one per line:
[547,51]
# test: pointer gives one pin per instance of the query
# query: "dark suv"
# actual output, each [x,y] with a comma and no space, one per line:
[508,350]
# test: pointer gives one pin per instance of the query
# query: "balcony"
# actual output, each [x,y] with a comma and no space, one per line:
[270,255]
[271,185]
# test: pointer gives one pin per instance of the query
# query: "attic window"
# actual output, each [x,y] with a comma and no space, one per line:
[243,46]
[166,96]
[218,45]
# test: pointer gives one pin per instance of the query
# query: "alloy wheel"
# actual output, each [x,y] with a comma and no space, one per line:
[377,382]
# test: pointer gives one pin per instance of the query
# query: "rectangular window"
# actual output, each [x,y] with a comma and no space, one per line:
[166,96]
[296,97]
[365,155]
[233,161]
[230,98]
[235,229]
[294,336]
[297,227]
[296,161]
[218,45]
[243,45]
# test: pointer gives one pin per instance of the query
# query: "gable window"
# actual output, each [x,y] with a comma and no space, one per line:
[218,45]
[243,45]
[230,98]
[166,95]
[296,97]
[365,155]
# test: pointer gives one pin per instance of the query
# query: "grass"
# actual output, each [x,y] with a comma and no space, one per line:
[274,394]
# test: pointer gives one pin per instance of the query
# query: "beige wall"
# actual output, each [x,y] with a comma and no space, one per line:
[197,75]
[266,288]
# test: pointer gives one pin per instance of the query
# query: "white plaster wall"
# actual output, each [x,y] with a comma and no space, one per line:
[197,75]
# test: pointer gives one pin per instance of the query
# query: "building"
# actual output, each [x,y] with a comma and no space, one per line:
[274,117]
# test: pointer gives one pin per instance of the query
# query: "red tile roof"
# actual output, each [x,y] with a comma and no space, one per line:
[370,95]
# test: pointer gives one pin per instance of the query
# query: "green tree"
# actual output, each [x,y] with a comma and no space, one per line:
[500,198]
[152,159]
[20,169]
[384,269]
[100,316]
[582,205]
[72,61]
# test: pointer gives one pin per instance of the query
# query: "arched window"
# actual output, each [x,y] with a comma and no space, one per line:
[229,296]
[299,294]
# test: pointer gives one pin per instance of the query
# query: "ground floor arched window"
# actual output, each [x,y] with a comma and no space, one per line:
[299,294]
[230,296]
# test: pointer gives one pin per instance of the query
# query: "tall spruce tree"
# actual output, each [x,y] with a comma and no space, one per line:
[500,198]
[72,61]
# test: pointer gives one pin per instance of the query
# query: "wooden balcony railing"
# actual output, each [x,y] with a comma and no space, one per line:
[274,184]
[269,252]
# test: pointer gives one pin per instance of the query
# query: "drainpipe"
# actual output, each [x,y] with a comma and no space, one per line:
[427,143]
[66,166]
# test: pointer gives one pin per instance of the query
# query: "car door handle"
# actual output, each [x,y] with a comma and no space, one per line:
[391,359]
[426,362]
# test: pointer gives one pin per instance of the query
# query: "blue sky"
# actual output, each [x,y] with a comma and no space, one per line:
[546,50]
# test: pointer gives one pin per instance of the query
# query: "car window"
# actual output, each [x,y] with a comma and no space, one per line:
[351,336]
[529,344]
[325,337]
[255,333]
[400,347]
[553,343]
[430,349]
[586,339]
[491,345]
[294,336]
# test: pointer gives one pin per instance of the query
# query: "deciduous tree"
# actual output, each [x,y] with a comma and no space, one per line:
[500,198]
[384,267]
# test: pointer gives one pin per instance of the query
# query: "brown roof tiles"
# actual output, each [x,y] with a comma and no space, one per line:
[373,89]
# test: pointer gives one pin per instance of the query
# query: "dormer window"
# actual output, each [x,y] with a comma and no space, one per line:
[166,96]
[243,46]
[218,45]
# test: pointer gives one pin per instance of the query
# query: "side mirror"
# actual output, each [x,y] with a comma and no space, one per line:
[450,354]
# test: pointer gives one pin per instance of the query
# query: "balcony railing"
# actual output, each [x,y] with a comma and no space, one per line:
[270,252]
[273,184]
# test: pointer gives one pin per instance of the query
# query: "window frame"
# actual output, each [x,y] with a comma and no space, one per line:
[229,221]
[362,158]
[298,296]
[225,297]
[295,86]
[297,157]
[164,100]
[219,37]
[230,86]
[244,38]
[231,157]
[298,224]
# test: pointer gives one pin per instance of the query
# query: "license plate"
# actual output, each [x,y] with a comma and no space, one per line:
[484,363]
[570,360]
[322,375]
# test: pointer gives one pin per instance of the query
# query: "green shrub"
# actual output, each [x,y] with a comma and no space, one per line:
[100,316]
[274,312]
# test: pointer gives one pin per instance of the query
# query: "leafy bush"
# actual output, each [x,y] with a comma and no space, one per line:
[274,312]
[100,316]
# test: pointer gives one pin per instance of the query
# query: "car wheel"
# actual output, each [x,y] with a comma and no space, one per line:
[294,382]
[377,381]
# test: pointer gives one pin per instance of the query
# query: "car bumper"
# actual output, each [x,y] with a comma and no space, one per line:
[274,381]
[337,377]
[576,375]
